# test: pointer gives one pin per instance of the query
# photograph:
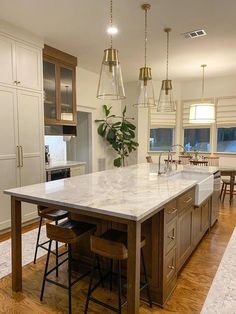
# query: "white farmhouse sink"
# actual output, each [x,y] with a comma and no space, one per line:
[204,187]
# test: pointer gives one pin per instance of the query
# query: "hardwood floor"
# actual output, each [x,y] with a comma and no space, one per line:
[193,283]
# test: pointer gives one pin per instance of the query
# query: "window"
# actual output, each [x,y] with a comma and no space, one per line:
[197,138]
[226,140]
[161,139]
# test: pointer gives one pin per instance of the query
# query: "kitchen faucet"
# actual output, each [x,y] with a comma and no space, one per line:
[178,145]
[168,166]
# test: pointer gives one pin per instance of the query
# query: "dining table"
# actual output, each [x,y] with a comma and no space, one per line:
[229,171]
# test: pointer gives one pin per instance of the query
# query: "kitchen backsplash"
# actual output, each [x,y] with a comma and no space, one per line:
[57,147]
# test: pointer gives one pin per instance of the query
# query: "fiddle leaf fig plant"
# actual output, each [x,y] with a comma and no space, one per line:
[119,132]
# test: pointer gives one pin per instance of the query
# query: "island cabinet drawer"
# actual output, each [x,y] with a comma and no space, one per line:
[169,266]
[170,235]
[170,211]
[186,200]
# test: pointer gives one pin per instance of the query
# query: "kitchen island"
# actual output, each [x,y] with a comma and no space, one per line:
[160,207]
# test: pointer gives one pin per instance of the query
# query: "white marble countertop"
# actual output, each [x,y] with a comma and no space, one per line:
[63,164]
[132,192]
[221,298]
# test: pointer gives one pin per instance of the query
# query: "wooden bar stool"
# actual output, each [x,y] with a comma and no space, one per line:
[224,189]
[113,245]
[67,232]
[53,215]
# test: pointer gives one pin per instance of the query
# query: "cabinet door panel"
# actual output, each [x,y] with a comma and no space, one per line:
[30,174]
[197,225]
[29,117]
[8,122]
[7,74]
[184,236]
[8,179]
[28,66]
[205,216]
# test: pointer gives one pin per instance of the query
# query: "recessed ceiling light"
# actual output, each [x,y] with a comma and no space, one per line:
[112,30]
[195,34]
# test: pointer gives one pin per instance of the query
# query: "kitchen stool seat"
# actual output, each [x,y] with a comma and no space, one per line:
[113,245]
[224,188]
[51,214]
[67,232]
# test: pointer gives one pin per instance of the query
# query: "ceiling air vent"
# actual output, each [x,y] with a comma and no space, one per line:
[195,34]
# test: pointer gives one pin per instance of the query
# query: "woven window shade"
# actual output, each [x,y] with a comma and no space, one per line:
[158,119]
[226,111]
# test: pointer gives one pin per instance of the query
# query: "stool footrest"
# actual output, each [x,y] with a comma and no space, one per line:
[107,305]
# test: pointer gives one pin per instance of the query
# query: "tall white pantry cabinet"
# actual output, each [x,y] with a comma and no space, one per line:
[21,119]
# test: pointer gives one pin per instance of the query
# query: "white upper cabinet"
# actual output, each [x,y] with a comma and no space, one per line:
[28,65]
[20,64]
[7,66]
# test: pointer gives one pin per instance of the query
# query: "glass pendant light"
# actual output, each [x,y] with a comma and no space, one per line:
[202,112]
[110,84]
[165,102]
[145,95]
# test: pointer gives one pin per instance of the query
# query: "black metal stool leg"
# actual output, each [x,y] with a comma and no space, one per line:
[119,288]
[69,277]
[111,274]
[90,284]
[46,270]
[38,237]
[222,189]
[100,271]
[56,223]
[146,280]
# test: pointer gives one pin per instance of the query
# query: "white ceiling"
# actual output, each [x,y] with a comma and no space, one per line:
[79,27]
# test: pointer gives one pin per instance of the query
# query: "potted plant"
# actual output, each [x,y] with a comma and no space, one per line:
[119,132]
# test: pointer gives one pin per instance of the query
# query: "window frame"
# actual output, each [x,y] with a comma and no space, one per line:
[173,127]
[199,126]
[225,126]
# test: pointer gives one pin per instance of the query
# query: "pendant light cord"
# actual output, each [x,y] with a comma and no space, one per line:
[203,82]
[111,22]
[145,40]
[167,55]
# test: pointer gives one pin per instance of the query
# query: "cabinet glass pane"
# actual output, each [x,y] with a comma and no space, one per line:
[66,94]
[49,85]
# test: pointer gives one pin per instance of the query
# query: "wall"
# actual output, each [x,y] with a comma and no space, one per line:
[79,147]
[86,85]
[141,116]
[57,147]
[214,87]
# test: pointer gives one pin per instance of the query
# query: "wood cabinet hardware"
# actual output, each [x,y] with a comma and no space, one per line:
[188,200]
[172,211]
[17,156]
[171,267]
[21,156]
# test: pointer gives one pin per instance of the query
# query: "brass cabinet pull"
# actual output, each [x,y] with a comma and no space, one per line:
[171,237]
[18,82]
[188,200]
[171,267]
[172,211]
[17,156]
[21,157]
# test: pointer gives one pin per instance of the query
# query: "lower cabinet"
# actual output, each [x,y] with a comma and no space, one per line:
[77,171]
[197,225]
[185,235]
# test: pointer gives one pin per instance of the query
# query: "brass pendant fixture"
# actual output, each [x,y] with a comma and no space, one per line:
[165,102]
[110,86]
[203,112]
[145,94]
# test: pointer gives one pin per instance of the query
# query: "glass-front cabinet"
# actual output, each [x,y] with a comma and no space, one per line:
[59,88]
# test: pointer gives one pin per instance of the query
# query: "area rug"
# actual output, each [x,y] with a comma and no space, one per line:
[28,248]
